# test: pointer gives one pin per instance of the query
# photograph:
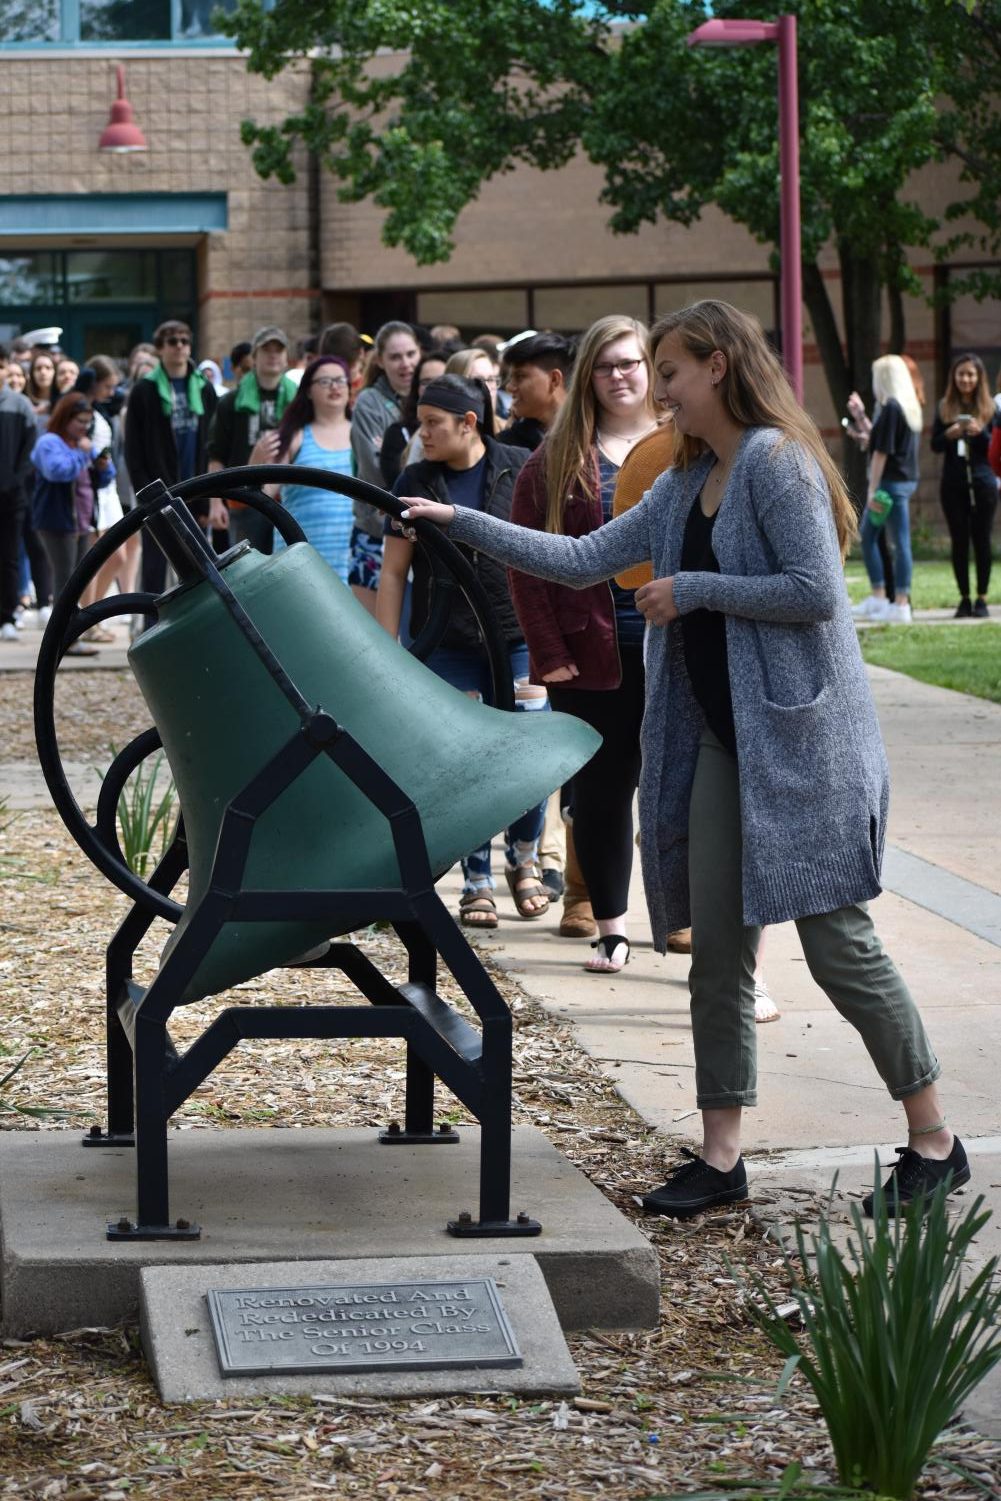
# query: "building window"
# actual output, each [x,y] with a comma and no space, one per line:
[32,21]
[111,22]
[111,276]
[125,20]
[572,309]
[503,310]
[29,279]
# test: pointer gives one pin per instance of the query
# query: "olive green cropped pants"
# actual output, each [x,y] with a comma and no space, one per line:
[842,950]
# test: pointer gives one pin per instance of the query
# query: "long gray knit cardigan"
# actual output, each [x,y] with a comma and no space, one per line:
[814,788]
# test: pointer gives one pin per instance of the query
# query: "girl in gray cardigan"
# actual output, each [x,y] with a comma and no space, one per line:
[764,788]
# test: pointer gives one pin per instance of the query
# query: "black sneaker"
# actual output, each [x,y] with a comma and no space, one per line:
[554,883]
[964,611]
[694,1186]
[912,1174]
[980,609]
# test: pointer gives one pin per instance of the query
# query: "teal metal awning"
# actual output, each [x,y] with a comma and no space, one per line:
[112,213]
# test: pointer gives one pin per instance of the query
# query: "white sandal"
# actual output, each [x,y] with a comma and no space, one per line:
[765,1009]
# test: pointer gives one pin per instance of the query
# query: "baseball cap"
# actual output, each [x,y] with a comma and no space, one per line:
[266,335]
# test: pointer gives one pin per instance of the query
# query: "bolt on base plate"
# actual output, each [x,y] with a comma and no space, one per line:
[395,1135]
[466,1228]
[126,1229]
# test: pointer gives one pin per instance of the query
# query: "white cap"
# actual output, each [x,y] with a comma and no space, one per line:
[42,336]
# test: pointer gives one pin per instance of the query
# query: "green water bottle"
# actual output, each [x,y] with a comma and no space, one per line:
[880,507]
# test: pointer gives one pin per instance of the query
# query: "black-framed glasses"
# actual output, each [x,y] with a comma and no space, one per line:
[330,382]
[624,367]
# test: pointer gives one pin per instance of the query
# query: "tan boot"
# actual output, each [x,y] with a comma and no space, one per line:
[578,919]
[680,942]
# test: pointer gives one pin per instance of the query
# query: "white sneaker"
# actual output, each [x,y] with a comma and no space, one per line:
[43,616]
[8,632]
[871,608]
[897,615]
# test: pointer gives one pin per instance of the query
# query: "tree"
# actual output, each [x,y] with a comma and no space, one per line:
[886,86]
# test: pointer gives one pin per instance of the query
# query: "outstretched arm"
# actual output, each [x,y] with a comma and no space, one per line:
[577,561]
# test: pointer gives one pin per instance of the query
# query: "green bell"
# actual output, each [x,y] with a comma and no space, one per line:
[470,769]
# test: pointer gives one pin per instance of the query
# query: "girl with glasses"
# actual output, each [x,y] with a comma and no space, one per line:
[315,432]
[586,645]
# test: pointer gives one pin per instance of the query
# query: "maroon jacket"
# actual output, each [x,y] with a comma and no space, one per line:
[564,625]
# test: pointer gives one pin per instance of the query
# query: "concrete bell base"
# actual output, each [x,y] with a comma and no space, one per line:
[291,1195]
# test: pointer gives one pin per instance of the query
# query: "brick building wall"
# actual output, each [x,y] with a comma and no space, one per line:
[189,107]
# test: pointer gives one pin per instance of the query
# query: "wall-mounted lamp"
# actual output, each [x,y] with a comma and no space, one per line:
[121,133]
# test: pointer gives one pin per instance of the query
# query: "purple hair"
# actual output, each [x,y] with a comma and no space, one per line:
[300,409]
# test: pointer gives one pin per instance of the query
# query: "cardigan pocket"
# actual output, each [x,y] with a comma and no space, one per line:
[800,745]
[781,710]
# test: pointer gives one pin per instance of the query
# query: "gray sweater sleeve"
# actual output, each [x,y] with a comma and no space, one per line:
[793,511]
[577,561]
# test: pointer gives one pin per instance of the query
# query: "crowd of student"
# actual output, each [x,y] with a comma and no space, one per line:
[611,602]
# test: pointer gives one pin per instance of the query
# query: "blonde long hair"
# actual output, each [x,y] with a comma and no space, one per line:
[755,389]
[891,380]
[569,441]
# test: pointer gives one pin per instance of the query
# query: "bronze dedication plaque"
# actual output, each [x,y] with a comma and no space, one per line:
[378,1326]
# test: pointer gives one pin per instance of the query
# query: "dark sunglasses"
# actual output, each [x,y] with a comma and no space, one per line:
[176,340]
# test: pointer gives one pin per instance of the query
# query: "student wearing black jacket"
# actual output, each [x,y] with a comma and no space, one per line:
[969,493]
[464,465]
[166,435]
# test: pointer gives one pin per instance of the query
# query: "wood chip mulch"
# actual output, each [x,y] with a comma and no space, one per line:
[687,1407]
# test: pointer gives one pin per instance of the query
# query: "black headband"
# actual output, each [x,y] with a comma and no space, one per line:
[449,398]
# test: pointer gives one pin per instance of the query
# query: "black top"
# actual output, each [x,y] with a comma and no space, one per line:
[494,478]
[959,467]
[892,435]
[703,633]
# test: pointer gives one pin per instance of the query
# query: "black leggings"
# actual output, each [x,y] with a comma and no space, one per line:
[603,789]
[971,520]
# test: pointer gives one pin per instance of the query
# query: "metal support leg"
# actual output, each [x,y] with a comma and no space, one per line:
[419,1127]
[152,1190]
[495,1146]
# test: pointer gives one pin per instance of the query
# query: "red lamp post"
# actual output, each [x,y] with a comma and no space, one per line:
[720,33]
[121,134]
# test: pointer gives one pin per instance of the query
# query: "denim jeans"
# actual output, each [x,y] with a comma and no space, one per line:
[898,524]
[470,673]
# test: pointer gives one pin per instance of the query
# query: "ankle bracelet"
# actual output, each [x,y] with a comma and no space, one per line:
[927,1130]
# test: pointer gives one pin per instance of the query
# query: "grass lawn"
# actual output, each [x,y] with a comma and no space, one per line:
[934,587]
[964,657]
